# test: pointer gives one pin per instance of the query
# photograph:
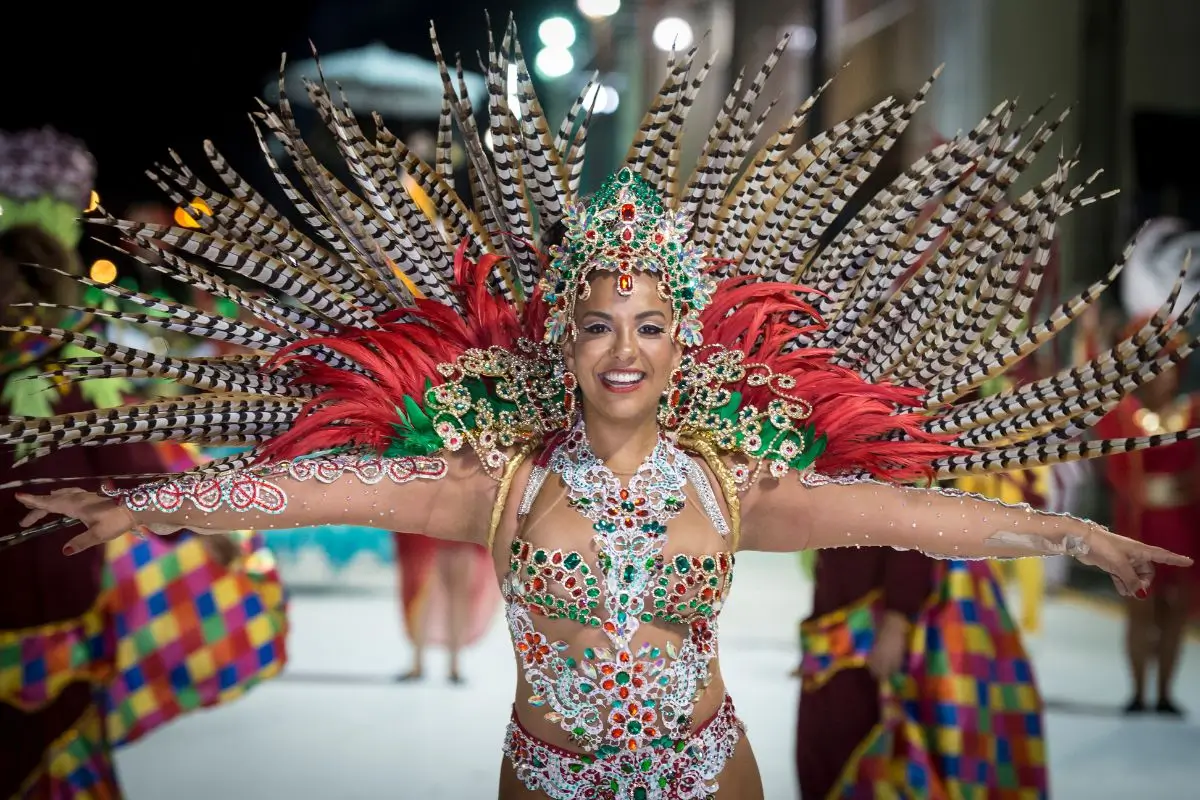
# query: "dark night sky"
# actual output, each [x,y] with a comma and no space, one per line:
[133,79]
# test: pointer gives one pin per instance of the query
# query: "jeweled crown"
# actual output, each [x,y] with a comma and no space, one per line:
[627,229]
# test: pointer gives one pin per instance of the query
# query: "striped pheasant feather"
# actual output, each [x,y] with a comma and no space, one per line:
[928,289]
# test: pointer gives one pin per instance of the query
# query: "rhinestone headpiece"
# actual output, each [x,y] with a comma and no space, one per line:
[625,228]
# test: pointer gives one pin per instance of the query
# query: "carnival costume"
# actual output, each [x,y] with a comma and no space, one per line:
[1156,495]
[361,379]
[98,652]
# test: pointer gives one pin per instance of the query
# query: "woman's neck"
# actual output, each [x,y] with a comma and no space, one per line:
[622,448]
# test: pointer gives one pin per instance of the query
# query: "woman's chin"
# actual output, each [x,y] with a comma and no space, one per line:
[626,408]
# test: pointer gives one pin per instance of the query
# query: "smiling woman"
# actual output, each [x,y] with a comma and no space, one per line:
[616,422]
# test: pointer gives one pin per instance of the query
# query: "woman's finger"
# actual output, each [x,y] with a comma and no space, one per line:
[28,500]
[1144,570]
[1161,556]
[55,504]
[32,517]
[1119,565]
[104,530]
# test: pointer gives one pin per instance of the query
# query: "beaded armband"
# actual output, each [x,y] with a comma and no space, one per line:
[1068,544]
[254,490]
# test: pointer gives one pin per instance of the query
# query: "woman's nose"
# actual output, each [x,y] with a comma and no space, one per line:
[624,347]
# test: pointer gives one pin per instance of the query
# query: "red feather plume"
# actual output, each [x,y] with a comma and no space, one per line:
[758,318]
[397,359]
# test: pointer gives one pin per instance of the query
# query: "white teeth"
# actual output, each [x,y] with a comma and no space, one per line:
[624,378]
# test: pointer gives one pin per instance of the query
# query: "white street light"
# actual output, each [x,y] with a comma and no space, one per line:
[554,62]
[803,40]
[598,9]
[557,32]
[606,98]
[672,33]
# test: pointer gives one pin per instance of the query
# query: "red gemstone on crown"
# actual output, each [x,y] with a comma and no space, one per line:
[627,212]
[625,281]
[627,235]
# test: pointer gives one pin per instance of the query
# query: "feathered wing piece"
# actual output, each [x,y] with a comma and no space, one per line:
[378,326]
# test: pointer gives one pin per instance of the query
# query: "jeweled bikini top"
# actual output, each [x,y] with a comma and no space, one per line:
[626,695]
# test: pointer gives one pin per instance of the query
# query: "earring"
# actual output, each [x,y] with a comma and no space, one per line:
[668,409]
[569,385]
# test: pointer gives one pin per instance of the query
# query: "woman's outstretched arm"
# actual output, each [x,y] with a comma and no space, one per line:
[818,512]
[437,496]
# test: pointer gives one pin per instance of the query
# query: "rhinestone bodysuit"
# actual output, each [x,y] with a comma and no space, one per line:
[628,707]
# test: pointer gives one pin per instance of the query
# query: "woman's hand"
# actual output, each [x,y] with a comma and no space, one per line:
[104,517]
[222,548]
[891,646]
[1128,561]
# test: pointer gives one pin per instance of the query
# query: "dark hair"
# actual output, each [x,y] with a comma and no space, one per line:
[551,236]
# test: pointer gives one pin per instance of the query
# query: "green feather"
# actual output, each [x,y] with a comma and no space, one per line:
[415,435]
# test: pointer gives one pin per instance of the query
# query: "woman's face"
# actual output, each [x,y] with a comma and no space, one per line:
[623,354]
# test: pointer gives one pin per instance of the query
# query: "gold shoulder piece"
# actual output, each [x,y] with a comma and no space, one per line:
[510,469]
[712,456]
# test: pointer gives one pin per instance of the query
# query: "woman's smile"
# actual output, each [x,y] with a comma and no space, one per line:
[622,380]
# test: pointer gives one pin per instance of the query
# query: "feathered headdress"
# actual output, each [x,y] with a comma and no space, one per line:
[811,356]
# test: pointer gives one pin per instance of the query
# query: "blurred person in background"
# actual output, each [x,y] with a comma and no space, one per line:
[447,598]
[893,633]
[1156,499]
[99,651]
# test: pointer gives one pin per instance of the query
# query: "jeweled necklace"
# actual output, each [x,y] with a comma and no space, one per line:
[655,492]
[630,523]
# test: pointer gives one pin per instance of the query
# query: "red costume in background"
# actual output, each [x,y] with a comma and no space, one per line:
[423,597]
[1157,492]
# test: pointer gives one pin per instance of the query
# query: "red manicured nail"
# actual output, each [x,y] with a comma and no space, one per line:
[1141,594]
[68,550]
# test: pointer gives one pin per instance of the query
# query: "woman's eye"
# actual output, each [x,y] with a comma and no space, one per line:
[596,328]
[652,330]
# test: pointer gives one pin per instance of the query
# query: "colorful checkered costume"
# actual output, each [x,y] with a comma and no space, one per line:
[173,631]
[963,719]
